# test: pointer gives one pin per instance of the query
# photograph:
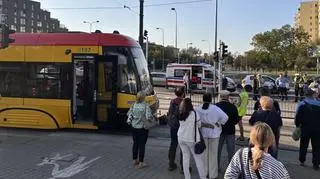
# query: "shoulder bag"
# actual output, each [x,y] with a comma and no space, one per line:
[148,123]
[200,146]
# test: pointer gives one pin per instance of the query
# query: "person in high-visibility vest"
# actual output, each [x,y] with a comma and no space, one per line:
[242,107]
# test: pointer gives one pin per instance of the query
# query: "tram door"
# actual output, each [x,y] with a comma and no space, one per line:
[84,83]
[106,90]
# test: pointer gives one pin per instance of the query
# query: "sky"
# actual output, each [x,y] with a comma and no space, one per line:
[238,20]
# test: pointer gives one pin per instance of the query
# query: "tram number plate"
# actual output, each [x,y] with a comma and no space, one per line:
[84,50]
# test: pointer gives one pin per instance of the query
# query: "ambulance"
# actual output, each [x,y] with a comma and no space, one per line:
[201,76]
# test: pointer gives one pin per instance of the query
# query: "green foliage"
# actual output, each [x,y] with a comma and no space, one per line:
[279,49]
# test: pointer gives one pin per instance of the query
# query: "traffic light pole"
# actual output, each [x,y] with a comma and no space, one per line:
[141,24]
[147,48]
[215,49]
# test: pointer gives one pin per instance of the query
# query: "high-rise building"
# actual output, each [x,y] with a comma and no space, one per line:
[308,18]
[27,16]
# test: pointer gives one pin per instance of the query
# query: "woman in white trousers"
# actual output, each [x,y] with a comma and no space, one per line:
[186,138]
[211,114]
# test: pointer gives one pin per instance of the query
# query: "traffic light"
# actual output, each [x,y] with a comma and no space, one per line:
[145,33]
[4,36]
[224,50]
[216,56]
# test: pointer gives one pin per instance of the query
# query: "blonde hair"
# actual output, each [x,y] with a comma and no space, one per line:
[141,96]
[261,136]
[266,103]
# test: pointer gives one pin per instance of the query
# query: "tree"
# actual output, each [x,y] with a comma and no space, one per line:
[282,45]
[189,55]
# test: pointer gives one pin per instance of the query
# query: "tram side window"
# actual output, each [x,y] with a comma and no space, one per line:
[48,80]
[11,79]
[126,81]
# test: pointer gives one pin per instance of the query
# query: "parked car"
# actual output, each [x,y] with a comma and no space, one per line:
[265,80]
[159,78]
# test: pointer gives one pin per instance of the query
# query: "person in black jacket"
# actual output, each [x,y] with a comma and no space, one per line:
[307,118]
[228,129]
[266,92]
[173,123]
[272,118]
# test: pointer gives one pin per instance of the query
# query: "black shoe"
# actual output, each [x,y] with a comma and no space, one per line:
[181,170]
[316,167]
[173,167]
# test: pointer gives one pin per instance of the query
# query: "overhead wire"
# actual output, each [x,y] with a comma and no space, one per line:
[132,7]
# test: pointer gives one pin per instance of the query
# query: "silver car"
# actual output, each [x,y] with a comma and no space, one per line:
[159,78]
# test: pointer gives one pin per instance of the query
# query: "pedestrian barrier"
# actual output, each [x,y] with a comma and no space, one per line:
[288,107]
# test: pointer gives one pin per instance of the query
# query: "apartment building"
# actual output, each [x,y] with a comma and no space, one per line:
[27,16]
[308,17]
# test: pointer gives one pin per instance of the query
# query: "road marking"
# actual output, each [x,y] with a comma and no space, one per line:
[75,168]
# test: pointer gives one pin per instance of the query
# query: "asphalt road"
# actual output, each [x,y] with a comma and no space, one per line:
[33,154]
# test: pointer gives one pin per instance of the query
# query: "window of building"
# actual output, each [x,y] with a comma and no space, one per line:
[310,23]
[11,79]
[32,7]
[23,21]
[45,17]
[39,24]
[310,17]
[22,29]
[48,25]
[32,30]
[15,20]
[23,13]
[32,15]
[15,12]
[15,4]
[38,16]
[24,6]
[13,27]
[53,26]
[32,23]
[310,29]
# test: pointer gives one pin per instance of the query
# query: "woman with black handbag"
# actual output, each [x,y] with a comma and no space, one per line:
[189,138]
[255,162]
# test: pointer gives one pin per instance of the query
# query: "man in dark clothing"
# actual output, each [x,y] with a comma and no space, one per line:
[272,118]
[266,92]
[228,129]
[173,122]
[224,82]
[307,118]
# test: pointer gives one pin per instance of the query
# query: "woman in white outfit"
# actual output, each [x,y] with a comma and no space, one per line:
[186,138]
[211,114]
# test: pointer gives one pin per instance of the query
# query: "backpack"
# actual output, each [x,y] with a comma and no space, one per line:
[173,114]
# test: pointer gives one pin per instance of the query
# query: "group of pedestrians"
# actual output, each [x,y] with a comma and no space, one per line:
[208,127]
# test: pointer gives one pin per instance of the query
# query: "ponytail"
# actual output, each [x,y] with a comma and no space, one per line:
[207,99]
[256,158]
[205,106]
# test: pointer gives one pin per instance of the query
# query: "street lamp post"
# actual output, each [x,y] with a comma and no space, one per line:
[188,50]
[163,48]
[176,45]
[209,48]
[90,23]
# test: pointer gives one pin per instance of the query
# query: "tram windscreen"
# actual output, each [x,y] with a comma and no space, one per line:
[142,67]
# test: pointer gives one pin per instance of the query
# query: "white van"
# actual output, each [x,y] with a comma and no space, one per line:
[201,76]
